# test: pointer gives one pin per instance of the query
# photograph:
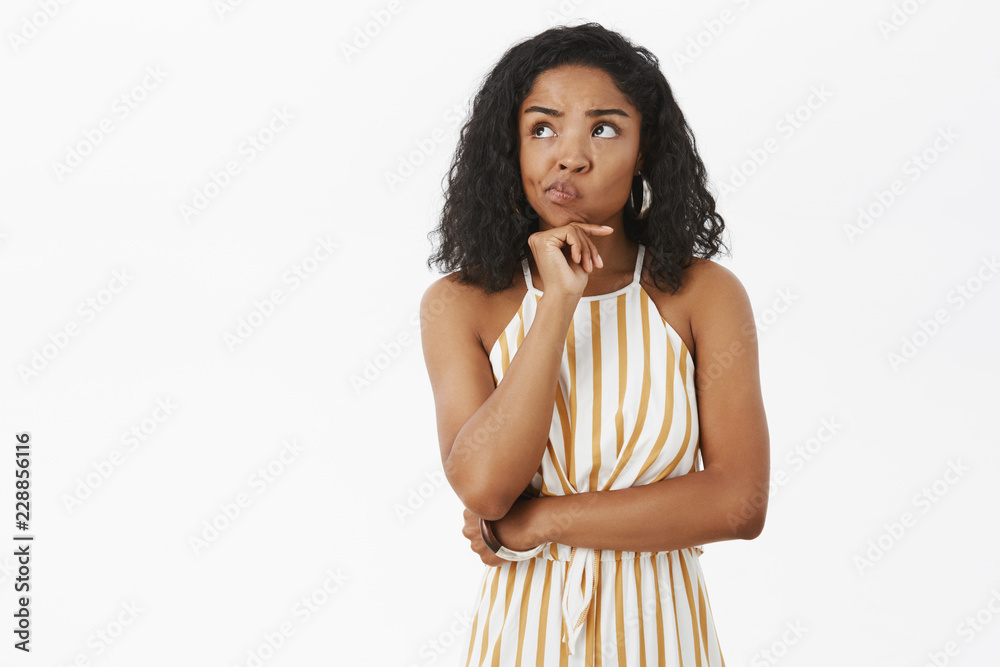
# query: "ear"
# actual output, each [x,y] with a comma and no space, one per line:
[638,159]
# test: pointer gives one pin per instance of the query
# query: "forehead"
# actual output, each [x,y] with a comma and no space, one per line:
[569,86]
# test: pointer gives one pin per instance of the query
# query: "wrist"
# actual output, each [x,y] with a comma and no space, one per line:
[528,528]
[520,529]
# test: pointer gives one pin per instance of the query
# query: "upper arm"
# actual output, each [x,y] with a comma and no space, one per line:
[460,372]
[733,430]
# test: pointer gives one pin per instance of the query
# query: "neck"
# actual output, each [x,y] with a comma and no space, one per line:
[618,253]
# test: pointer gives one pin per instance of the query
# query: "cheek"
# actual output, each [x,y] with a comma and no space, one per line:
[528,159]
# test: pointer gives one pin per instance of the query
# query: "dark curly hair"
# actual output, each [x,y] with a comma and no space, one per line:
[484,231]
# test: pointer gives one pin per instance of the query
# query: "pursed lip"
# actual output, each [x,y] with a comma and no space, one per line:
[564,187]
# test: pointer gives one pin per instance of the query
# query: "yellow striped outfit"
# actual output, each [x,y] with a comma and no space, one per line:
[625,414]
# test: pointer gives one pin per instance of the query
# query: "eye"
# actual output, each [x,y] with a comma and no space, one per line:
[535,129]
[607,126]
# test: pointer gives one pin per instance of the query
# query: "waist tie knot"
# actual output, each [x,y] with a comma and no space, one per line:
[577,599]
[580,586]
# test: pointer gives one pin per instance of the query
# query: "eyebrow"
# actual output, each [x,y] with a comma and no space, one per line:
[592,112]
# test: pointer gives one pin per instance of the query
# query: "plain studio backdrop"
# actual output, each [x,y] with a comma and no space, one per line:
[213,244]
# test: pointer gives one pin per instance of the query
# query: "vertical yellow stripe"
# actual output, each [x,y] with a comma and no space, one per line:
[525,599]
[687,404]
[643,399]
[668,413]
[703,619]
[567,489]
[497,569]
[475,623]
[660,653]
[592,618]
[638,601]
[619,611]
[504,353]
[511,575]
[687,429]
[595,446]
[571,359]
[505,347]
[622,372]
[691,606]
[567,436]
[597,602]
[563,650]
[544,611]
[673,601]
[712,616]
[520,326]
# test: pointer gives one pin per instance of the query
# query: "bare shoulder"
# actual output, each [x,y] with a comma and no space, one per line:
[712,281]
[447,302]
[720,309]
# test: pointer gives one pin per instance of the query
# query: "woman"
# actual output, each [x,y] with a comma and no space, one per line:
[562,357]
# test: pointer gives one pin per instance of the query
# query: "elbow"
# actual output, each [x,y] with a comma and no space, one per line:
[747,514]
[754,527]
[476,494]
[482,504]
[487,510]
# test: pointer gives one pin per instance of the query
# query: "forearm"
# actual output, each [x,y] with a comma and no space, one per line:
[675,513]
[499,449]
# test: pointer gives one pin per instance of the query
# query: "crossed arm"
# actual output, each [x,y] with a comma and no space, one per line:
[727,500]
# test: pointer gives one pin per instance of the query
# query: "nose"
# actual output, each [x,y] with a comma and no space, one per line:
[575,155]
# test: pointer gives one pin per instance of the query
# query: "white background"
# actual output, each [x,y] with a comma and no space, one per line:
[330,515]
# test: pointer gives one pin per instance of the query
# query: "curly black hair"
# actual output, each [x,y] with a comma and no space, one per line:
[483,227]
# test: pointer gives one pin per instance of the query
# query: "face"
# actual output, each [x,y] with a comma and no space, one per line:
[577,129]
